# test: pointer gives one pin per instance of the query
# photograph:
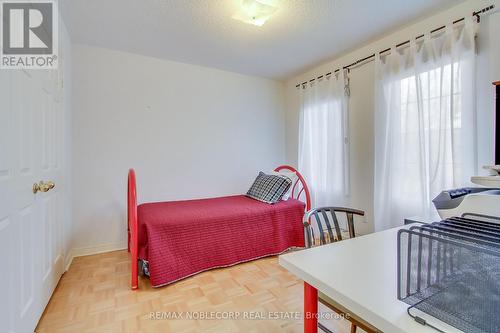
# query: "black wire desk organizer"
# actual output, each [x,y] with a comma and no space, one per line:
[450,270]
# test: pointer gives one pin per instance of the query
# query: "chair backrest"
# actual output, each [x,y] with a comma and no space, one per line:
[325,218]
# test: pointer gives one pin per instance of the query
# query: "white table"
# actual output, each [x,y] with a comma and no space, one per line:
[361,275]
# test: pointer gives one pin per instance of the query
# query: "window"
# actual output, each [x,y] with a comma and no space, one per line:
[425,132]
[323,145]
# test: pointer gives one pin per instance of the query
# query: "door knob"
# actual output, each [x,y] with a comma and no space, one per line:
[43,187]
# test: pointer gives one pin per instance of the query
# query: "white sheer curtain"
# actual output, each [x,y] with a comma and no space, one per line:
[323,144]
[425,123]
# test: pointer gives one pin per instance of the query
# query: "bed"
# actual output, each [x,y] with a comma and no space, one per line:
[177,239]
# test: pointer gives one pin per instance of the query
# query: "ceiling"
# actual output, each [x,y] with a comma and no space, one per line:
[302,33]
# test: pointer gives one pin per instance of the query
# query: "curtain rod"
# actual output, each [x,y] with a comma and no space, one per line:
[357,62]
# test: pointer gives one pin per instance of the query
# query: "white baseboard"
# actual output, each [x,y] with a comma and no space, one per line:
[89,250]
[68,260]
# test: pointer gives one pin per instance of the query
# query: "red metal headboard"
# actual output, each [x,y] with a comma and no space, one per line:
[298,189]
[300,186]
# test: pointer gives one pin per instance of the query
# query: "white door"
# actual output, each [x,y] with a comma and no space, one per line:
[50,169]
[31,127]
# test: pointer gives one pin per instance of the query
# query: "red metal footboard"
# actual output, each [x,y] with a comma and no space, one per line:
[298,189]
[132,226]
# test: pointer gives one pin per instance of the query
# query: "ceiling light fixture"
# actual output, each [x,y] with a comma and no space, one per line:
[256,12]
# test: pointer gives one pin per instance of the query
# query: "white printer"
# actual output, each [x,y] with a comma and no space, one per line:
[484,200]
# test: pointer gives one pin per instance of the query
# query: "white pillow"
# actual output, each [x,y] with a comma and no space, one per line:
[293,177]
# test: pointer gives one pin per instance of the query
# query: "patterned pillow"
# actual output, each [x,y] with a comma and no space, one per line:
[269,188]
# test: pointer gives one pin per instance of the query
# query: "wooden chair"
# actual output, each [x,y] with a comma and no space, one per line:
[327,222]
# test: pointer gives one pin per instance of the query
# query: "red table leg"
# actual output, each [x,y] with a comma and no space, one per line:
[310,309]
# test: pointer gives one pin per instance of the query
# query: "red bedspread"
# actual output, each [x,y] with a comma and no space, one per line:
[181,238]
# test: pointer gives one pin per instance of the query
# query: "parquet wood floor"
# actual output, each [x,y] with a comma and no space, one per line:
[94,296]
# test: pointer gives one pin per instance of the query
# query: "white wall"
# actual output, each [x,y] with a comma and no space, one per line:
[361,103]
[189,132]
[495,45]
